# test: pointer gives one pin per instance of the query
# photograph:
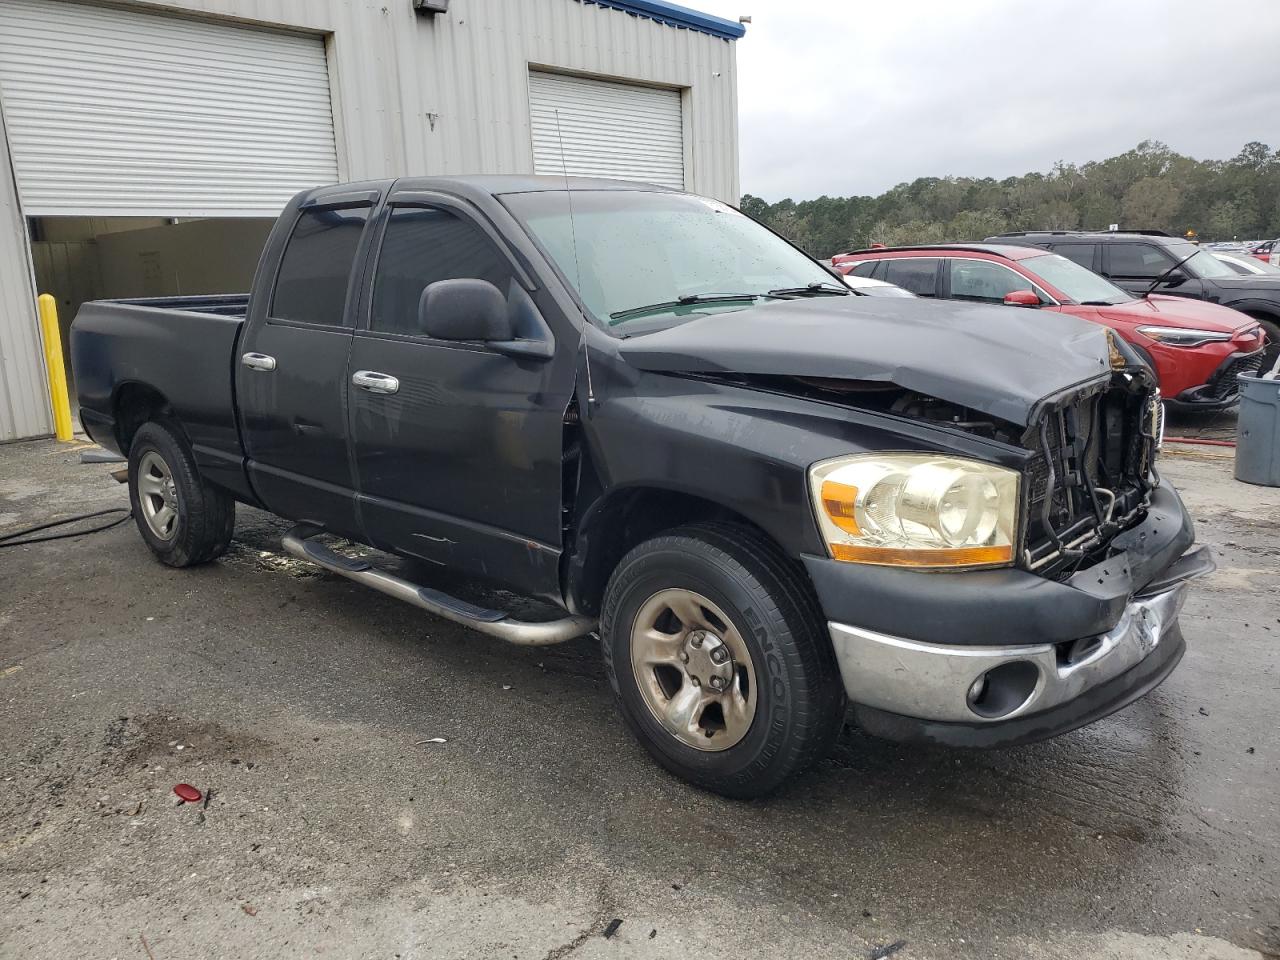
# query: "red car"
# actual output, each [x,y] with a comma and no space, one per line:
[1264,251]
[1196,348]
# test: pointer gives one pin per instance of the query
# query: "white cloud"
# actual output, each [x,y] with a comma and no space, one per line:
[853,96]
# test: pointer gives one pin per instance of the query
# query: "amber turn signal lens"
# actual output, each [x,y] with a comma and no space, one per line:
[934,557]
[838,499]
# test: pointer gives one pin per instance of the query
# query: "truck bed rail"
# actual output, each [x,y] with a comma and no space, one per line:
[222,304]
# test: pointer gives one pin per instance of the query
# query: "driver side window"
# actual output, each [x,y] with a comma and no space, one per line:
[984,282]
[423,245]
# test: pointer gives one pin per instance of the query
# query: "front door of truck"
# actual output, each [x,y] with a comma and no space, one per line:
[292,370]
[458,447]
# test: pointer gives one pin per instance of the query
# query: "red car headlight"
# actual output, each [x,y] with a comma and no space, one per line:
[1183,336]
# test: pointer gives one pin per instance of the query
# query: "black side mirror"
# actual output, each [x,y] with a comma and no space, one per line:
[464,310]
[1175,279]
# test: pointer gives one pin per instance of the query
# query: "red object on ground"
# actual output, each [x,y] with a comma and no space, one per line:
[187,793]
[1202,375]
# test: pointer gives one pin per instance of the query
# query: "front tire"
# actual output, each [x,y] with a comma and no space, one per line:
[183,519]
[1272,351]
[720,660]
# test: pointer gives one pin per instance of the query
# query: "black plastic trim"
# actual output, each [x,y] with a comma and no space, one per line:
[468,610]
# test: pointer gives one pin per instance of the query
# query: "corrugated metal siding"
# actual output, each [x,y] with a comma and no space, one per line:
[24,405]
[391,70]
[431,95]
[593,128]
[120,113]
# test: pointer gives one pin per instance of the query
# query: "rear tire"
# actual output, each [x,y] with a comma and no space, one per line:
[720,659]
[182,518]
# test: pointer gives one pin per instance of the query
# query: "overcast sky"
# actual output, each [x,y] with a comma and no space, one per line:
[844,97]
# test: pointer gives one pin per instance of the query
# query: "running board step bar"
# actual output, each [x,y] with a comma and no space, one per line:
[495,623]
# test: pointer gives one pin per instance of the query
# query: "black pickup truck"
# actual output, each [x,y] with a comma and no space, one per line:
[770,497]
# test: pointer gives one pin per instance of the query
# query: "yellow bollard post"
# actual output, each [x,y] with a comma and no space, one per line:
[58,398]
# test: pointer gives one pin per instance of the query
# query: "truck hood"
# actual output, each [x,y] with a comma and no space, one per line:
[999,360]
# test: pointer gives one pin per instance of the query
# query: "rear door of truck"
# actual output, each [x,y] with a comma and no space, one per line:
[292,370]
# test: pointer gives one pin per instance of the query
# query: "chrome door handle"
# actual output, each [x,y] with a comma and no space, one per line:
[259,361]
[375,382]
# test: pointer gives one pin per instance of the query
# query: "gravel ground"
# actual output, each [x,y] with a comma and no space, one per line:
[305,708]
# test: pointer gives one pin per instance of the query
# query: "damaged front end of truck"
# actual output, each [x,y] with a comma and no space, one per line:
[1076,619]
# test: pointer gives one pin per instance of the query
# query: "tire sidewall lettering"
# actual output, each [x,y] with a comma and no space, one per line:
[772,660]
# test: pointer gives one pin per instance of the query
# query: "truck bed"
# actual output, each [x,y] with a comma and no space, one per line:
[221,304]
[177,351]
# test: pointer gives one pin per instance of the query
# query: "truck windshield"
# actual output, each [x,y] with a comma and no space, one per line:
[642,260]
[1079,283]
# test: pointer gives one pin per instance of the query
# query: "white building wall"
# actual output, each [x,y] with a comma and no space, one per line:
[416,95]
[24,404]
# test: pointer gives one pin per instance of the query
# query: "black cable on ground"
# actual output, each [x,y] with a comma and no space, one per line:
[9,539]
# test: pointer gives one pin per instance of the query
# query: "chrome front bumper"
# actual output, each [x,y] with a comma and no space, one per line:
[934,681]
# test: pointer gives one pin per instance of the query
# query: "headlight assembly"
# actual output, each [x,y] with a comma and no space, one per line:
[1183,336]
[916,510]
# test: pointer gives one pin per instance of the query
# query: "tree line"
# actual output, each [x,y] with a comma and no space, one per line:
[1148,187]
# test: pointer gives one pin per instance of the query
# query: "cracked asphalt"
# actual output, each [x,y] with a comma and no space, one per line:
[306,709]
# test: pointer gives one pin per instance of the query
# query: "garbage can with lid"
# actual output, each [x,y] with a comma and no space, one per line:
[1258,439]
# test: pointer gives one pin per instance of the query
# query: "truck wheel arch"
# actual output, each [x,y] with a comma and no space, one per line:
[624,518]
[135,404]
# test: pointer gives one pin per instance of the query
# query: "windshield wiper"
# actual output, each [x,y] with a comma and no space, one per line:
[687,301]
[1160,279]
[818,289]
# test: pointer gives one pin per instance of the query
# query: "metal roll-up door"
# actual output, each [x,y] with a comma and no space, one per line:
[606,129]
[118,112]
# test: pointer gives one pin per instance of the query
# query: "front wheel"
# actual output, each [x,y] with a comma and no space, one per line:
[720,660]
[1272,331]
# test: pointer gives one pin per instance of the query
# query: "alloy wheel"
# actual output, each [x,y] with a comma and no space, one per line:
[693,669]
[157,495]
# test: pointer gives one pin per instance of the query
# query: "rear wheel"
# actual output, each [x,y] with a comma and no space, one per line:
[720,660]
[182,519]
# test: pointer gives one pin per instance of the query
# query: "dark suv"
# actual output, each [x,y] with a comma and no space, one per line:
[1137,259]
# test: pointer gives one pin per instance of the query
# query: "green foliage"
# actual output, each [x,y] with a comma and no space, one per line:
[1148,187]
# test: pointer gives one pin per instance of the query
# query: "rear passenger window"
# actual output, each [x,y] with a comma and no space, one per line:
[316,268]
[422,246]
[1081,253]
[1139,261]
[919,275]
[865,269]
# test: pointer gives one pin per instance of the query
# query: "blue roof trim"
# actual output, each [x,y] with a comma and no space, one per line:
[674,15]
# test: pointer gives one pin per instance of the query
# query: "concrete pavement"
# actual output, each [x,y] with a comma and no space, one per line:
[305,707]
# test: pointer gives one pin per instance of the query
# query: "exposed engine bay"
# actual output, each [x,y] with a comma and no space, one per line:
[890,398]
